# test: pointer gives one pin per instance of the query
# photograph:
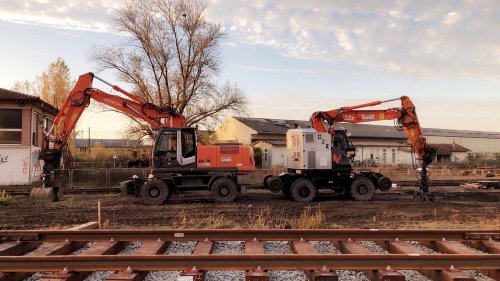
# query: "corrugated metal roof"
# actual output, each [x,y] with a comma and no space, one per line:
[13,96]
[280,126]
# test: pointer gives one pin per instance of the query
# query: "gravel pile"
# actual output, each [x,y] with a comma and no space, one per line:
[227,247]
[282,247]
[175,248]
[325,247]
[478,275]
[101,275]
[410,275]
[423,248]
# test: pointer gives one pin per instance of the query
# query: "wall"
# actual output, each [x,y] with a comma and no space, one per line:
[234,130]
[402,155]
[276,155]
[19,165]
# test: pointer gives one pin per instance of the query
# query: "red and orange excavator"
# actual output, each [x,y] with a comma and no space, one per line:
[320,157]
[179,164]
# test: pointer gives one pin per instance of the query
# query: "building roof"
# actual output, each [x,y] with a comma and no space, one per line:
[280,126]
[448,148]
[16,97]
[116,143]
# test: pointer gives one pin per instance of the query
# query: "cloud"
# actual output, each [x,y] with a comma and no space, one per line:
[404,38]
[407,38]
[75,14]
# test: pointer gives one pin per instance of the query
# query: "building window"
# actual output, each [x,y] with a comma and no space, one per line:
[11,122]
[34,130]
[384,156]
[393,156]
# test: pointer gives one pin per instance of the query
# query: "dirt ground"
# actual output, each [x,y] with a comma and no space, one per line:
[455,208]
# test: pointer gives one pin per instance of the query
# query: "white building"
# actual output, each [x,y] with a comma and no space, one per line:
[22,119]
[385,145]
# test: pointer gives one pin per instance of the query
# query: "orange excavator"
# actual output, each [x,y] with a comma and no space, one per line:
[320,157]
[179,164]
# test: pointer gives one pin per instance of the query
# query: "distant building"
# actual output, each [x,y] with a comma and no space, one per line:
[384,145]
[23,118]
[123,148]
[446,152]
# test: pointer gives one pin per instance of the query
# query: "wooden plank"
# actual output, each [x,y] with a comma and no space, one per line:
[15,248]
[96,249]
[490,247]
[302,247]
[352,247]
[88,225]
[147,248]
[254,247]
[452,247]
[202,248]
[401,247]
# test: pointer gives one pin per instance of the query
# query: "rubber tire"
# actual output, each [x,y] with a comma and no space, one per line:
[384,183]
[302,185]
[151,186]
[224,190]
[362,189]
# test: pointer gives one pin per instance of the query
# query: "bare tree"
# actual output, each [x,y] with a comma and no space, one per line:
[172,58]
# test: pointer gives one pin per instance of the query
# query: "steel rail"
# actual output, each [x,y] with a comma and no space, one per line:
[247,234]
[245,262]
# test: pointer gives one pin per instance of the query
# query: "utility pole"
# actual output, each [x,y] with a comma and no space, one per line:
[88,142]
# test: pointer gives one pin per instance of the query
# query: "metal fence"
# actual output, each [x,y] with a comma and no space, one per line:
[96,177]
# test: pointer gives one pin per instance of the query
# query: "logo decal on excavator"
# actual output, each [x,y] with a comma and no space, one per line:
[204,162]
[336,158]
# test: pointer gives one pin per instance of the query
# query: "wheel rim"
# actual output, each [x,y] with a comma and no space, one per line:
[224,191]
[363,189]
[304,191]
[154,192]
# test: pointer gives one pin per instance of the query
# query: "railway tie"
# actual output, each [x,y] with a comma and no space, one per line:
[437,254]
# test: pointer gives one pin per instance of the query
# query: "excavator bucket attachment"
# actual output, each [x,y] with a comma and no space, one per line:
[51,194]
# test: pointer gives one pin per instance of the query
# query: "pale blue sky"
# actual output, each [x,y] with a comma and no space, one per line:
[293,58]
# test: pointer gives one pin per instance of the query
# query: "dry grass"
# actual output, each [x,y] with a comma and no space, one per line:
[266,218]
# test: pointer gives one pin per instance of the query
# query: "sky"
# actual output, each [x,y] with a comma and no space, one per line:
[292,58]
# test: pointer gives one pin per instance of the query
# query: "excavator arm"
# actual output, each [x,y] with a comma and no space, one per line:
[79,98]
[405,115]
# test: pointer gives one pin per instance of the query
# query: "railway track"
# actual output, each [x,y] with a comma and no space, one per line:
[379,254]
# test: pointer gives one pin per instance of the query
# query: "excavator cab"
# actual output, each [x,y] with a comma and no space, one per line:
[175,147]
[342,142]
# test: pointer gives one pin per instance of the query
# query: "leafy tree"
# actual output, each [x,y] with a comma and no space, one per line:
[53,85]
[172,58]
[25,87]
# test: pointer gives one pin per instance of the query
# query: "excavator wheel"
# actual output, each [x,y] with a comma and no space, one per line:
[362,189]
[50,194]
[224,190]
[155,192]
[384,183]
[303,190]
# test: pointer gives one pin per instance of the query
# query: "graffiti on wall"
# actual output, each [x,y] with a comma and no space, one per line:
[4,159]
[26,162]
[35,163]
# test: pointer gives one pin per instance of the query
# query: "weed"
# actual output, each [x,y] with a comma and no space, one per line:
[310,219]
[5,198]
